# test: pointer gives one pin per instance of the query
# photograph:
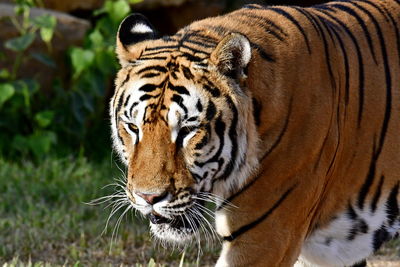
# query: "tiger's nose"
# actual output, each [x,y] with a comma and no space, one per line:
[152,198]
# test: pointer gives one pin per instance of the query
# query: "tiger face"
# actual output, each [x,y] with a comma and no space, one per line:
[177,126]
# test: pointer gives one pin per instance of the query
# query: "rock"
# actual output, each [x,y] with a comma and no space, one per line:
[69,31]
[152,4]
[72,5]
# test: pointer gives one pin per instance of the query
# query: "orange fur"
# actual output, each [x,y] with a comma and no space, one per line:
[317,149]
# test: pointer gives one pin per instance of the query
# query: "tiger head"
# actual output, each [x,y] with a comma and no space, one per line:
[182,123]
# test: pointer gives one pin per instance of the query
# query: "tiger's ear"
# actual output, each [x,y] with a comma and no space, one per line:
[232,55]
[133,29]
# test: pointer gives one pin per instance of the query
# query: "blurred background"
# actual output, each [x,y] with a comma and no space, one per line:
[57,67]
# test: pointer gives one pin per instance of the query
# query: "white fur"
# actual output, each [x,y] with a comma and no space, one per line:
[141,28]
[132,89]
[246,51]
[340,251]
[221,222]
[223,257]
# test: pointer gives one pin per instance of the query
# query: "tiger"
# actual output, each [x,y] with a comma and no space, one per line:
[286,118]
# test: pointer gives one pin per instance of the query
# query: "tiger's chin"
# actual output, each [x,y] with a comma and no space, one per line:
[176,231]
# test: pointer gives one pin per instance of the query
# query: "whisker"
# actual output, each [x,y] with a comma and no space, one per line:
[212,230]
[116,227]
[115,208]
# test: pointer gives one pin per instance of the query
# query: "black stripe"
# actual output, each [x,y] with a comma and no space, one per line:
[183,132]
[120,139]
[362,263]
[125,80]
[263,54]
[377,195]
[147,96]
[326,50]
[361,75]
[204,140]
[263,23]
[380,236]
[191,57]
[134,104]
[194,50]
[361,22]
[126,101]
[220,131]
[392,206]
[116,92]
[152,58]
[218,29]
[187,73]
[284,128]
[211,111]
[243,189]
[199,106]
[179,100]
[358,227]
[179,89]
[383,13]
[157,53]
[310,19]
[331,29]
[295,22]
[388,78]
[148,88]
[257,107]
[351,213]
[232,133]
[196,176]
[202,44]
[198,34]
[253,224]
[214,91]
[397,32]
[368,181]
[269,23]
[119,105]
[346,61]
[150,75]
[155,48]
[192,119]
[155,68]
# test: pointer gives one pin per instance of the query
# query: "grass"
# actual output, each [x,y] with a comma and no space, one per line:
[44,221]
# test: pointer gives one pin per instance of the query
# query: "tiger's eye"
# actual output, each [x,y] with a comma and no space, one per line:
[133,127]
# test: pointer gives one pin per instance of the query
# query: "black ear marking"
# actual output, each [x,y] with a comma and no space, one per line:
[135,28]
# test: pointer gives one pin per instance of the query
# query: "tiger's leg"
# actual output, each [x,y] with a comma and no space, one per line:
[266,231]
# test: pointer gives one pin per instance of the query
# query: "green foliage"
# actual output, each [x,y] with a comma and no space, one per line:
[72,117]
[22,122]
[21,43]
[6,92]
[93,68]
[44,217]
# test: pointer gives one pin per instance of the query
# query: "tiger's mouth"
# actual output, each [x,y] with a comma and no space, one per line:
[178,230]
[178,222]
